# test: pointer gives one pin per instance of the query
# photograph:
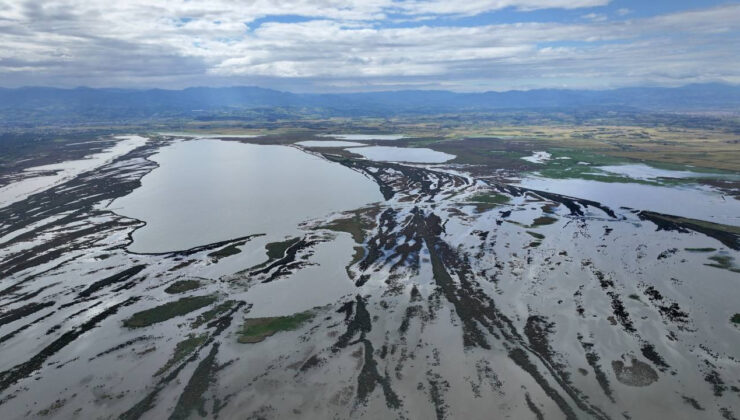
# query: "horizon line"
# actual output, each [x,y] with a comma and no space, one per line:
[144,89]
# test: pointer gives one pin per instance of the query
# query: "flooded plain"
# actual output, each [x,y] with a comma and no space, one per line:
[450,296]
[402,154]
[361,137]
[206,191]
[538,157]
[645,172]
[329,143]
[37,178]
[686,201]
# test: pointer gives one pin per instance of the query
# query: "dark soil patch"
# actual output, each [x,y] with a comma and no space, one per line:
[168,311]
[182,286]
[257,329]
[638,374]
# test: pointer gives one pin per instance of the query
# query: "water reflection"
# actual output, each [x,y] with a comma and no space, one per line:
[209,190]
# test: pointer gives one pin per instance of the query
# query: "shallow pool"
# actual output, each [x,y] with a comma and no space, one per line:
[402,154]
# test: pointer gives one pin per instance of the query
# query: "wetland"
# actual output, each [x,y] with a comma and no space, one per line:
[447,270]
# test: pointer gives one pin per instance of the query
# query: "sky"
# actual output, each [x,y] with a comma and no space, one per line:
[369,45]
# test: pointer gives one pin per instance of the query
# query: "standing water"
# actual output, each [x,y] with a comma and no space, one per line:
[206,191]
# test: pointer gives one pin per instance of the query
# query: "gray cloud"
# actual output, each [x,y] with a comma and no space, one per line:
[346,46]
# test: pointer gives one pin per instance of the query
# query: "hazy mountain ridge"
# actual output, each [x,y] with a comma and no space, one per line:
[86,103]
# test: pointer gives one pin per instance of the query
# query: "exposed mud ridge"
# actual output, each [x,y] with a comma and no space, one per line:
[481,320]
[286,264]
[75,198]
[191,398]
[358,325]
[670,310]
[533,305]
[575,205]
[24,311]
[592,357]
[116,278]
[727,235]
[199,249]
[637,373]
[20,371]
[416,183]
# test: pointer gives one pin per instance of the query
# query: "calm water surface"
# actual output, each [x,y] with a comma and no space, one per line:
[685,201]
[645,172]
[329,143]
[402,154]
[360,137]
[207,191]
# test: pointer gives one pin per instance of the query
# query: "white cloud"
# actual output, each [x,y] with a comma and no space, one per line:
[345,45]
[595,17]
[474,7]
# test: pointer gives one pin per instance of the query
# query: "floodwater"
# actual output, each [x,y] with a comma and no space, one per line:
[322,283]
[360,137]
[402,154]
[329,143]
[692,202]
[645,172]
[207,135]
[538,157]
[64,171]
[207,191]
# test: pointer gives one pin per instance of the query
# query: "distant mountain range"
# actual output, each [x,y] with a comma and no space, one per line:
[27,103]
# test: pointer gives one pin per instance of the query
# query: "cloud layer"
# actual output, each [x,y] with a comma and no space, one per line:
[329,45]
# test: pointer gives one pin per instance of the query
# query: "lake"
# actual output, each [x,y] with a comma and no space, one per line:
[402,154]
[207,191]
[360,137]
[645,172]
[329,143]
